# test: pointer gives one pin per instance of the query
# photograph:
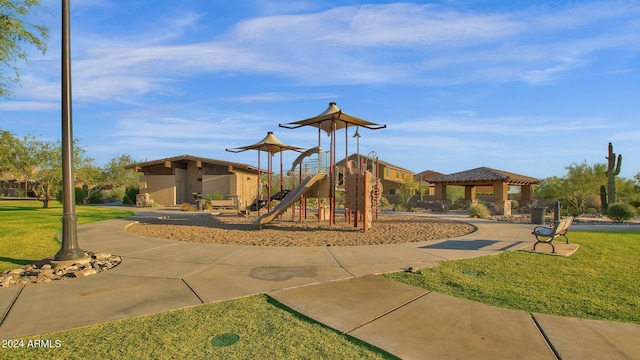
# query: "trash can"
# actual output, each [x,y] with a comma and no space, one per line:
[537,214]
[200,203]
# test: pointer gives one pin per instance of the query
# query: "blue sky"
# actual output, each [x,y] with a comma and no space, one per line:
[523,86]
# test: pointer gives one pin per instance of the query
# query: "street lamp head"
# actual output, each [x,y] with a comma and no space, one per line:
[357,134]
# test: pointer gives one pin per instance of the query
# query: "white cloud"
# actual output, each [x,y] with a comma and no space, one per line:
[29,106]
[369,44]
[277,97]
[503,126]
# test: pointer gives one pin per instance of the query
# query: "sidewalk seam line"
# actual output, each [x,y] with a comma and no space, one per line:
[193,291]
[385,313]
[153,248]
[546,338]
[338,261]
[13,302]
[205,267]
[230,255]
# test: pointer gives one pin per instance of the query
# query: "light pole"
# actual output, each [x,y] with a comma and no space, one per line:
[69,250]
[357,137]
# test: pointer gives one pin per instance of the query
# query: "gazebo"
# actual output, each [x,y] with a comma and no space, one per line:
[498,180]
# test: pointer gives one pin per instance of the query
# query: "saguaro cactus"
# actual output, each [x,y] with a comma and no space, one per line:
[613,169]
[603,197]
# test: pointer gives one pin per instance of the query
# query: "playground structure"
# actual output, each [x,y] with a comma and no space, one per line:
[362,192]
[271,145]
[362,188]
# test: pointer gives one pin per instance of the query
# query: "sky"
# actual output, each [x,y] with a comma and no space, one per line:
[529,87]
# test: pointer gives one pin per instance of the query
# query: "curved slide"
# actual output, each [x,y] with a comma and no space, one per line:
[290,199]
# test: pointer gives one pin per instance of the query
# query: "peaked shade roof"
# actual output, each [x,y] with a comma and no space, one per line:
[269,144]
[484,175]
[333,112]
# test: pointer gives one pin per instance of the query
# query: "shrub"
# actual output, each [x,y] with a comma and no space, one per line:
[130,193]
[592,211]
[96,197]
[185,207]
[116,194]
[478,211]
[514,204]
[81,195]
[619,212]
[384,203]
[217,195]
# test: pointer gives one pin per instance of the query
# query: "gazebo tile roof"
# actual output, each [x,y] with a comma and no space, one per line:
[483,175]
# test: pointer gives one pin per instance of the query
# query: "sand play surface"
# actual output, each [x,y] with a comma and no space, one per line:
[236,230]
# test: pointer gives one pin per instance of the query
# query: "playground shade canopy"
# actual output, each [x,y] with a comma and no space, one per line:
[269,144]
[333,113]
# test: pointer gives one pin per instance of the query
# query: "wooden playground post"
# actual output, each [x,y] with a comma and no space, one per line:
[364,201]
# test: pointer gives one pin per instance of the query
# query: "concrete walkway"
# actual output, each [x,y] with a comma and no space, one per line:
[159,275]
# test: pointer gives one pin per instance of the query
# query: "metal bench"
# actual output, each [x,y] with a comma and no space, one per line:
[546,234]
[223,204]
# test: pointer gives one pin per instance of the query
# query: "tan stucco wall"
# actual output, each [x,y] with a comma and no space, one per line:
[240,186]
[216,184]
[244,187]
[161,188]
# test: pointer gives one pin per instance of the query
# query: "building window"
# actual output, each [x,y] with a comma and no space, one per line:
[388,172]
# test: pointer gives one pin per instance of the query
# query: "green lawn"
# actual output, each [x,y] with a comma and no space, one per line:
[28,232]
[265,330]
[600,281]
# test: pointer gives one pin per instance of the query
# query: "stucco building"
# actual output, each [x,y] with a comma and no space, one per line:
[177,180]
[393,177]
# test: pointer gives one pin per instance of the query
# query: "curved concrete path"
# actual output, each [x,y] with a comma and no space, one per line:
[159,275]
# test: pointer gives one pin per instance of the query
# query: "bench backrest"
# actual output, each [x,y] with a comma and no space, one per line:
[222,202]
[563,225]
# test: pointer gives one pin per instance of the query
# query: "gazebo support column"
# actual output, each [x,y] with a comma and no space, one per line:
[526,194]
[441,192]
[501,203]
[470,195]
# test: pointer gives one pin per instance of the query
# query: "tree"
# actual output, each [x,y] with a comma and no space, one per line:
[8,146]
[36,162]
[115,173]
[584,180]
[40,165]
[551,188]
[579,189]
[14,33]
[91,177]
